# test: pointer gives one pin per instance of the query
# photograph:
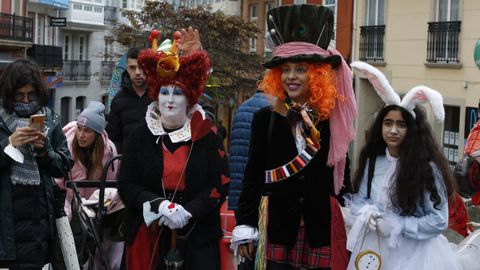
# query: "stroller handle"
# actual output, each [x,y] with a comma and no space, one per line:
[101,184]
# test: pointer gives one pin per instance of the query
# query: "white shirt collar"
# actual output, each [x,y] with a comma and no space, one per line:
[390,158]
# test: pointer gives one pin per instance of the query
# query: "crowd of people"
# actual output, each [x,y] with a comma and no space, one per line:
[288,160]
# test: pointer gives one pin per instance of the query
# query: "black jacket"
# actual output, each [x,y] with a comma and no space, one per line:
[305,194]
[140,181]
[27,212]
[127,112]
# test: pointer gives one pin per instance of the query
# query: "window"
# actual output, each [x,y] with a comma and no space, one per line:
[40,29]
[450,134]
[443,33]
[17,7]
[253,12]
[253,44]
[299,2]
[49,40]
[65,110]
[87,8]
[98,9]
[375,12]
[268,40]
[373,32]
[66,47]
[108,48]
[332,5]
[447,10]
[81,47]
[124,4]
[77,6]
[79,105]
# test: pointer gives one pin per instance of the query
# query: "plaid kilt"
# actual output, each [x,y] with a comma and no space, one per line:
[300,254]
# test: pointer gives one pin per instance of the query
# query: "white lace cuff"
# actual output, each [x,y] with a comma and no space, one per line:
[242,234]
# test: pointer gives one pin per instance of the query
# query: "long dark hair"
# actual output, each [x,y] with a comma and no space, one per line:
[18,74]
[414,173]
[90,157]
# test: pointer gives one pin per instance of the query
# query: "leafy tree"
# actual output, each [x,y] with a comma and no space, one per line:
[235,70]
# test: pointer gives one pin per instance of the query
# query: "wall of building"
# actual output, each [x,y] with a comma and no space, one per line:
[405,65]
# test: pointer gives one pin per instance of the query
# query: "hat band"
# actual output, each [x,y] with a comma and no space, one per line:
[296,48]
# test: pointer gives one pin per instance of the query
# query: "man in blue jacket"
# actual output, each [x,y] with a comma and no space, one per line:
[240,143]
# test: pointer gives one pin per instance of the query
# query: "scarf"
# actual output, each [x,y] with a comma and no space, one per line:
[26,173]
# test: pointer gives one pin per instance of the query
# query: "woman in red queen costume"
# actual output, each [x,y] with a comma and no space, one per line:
[173,176]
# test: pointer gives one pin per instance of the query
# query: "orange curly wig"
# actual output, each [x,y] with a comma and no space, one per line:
[191,76]
[322,86]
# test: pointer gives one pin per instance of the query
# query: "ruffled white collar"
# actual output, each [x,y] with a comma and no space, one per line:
[155,126]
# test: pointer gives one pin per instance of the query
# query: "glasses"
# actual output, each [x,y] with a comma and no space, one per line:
[30,95]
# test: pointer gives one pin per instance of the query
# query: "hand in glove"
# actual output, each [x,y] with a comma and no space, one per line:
[173,215]
[386,225]
[371,219]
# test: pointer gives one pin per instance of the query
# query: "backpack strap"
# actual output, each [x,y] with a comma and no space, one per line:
[371,170]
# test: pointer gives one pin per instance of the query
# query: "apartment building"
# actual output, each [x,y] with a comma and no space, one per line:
[46,49]
[89,52]
[24,33]
[16,31]
[428,42]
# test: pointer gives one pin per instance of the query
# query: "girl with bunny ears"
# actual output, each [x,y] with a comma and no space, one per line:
[400,203]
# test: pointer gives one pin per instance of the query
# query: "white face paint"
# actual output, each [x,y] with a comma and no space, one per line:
[173,106]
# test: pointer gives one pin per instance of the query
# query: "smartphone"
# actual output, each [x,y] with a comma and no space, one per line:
[37,121]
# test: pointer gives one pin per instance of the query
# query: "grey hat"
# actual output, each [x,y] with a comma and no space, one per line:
[93,117]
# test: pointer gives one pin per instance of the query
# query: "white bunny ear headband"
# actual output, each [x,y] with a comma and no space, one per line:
[416,95]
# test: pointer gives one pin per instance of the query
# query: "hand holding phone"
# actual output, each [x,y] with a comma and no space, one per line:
[37,121]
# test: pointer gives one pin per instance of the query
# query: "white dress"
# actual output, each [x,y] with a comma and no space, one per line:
[415,242]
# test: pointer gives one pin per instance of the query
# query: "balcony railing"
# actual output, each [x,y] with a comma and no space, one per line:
[14,27]
[76,70]
[371,43]
[111,15]
[46,56]
[442,43]
[107,69]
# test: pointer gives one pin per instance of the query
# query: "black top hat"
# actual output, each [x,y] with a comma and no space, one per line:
[305,23]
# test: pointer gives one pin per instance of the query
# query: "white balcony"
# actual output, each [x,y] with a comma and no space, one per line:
[86,12]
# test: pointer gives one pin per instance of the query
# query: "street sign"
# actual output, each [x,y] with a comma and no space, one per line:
[58,21]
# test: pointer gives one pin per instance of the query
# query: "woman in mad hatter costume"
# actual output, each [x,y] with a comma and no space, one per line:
[298,150]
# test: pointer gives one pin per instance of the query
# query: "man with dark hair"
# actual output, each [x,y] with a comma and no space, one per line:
[129,106]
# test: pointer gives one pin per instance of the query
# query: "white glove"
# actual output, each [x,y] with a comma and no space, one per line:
[385,225]
[173,215]
[371,219]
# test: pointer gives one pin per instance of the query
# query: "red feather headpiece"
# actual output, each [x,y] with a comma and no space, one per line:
[166,67]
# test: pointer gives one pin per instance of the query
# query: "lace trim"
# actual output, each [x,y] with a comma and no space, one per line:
[152,117]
